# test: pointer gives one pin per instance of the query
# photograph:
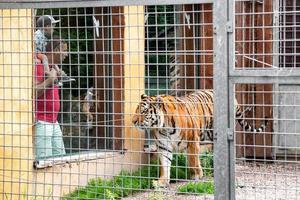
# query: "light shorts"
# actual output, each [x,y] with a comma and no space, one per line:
[48,140]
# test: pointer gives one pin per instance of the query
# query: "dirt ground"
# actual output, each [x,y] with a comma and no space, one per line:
[254,181]
[273,181]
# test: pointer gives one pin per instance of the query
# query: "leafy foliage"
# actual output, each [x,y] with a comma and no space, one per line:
[207,163]
[127,183]
[197,188]
[160,23]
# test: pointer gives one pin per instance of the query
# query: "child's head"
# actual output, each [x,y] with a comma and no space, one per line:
[46,23]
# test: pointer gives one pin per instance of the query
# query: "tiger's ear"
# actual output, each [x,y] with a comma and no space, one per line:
[143,96]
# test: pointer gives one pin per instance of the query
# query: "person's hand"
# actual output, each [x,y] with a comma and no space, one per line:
[62,73]
[52,75]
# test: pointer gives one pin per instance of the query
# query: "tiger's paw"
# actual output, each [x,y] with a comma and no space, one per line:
[195,179]
[198,177]
[161,183]
[150,149]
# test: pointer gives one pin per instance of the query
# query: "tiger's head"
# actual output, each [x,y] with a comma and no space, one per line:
[148,113]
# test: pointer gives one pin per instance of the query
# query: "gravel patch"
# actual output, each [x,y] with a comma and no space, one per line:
[257,181]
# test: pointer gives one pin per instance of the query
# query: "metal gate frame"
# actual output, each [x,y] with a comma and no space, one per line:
[225,79]
[223,20]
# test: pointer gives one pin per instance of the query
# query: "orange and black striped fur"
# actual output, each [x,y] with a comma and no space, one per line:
[178,123]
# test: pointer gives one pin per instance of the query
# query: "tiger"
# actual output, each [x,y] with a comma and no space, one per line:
[77,119]
[177,124]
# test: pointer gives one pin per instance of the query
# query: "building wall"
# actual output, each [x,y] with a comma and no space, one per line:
[16,102]
[134,72]
[16,117]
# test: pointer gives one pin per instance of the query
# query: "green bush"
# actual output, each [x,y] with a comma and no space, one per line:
[196,188]
[207,163]
[179,168]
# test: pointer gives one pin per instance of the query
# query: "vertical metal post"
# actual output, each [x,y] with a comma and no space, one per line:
[223,60]
[276,62]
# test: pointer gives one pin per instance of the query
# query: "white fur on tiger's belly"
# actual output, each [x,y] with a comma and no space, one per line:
[178,145]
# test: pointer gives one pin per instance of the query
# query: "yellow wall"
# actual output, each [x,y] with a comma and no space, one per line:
[134,72]
[16,113]
[16,102]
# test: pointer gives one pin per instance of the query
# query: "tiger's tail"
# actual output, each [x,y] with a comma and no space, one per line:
[240,117]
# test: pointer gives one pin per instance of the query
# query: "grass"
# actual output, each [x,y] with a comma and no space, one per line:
[196,188]
[127,183]
[207,163]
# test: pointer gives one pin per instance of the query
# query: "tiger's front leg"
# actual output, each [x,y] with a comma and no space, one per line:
[165,158]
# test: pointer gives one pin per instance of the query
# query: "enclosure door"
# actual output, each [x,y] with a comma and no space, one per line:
[289,34]
[288,143]
[254,47]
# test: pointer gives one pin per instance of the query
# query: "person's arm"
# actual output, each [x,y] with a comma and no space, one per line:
[41,86]
[44,61]
[60,72]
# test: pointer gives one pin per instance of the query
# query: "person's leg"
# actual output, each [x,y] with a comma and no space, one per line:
[57,142]
[43,145]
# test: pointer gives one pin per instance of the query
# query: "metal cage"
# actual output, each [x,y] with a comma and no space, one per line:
[149,99]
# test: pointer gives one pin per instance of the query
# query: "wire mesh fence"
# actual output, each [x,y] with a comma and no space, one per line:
[117,101]
[266,164]
[85,71]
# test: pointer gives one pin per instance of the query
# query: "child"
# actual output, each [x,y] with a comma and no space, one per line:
[45,25]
